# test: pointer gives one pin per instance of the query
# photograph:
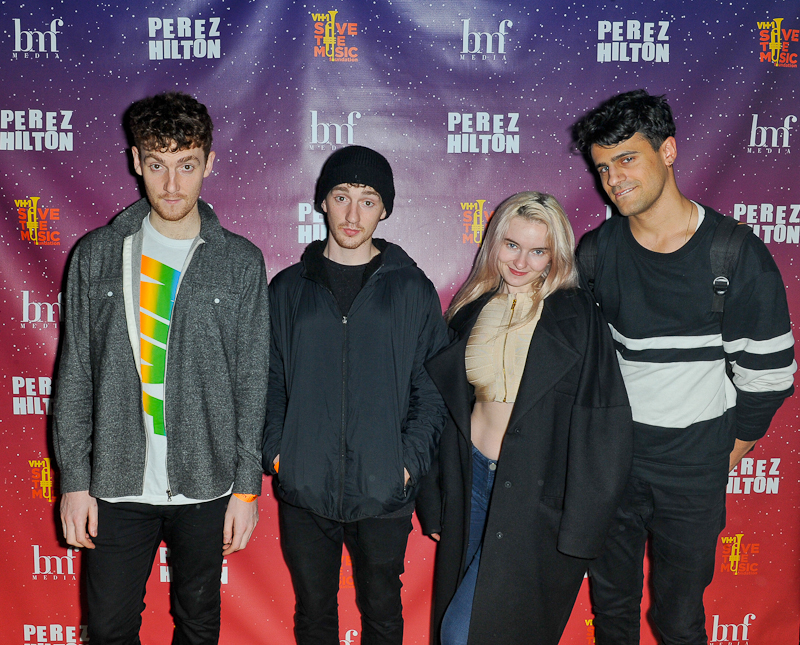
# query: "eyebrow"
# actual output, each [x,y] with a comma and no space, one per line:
[153,155]
[618,156]
[535,248]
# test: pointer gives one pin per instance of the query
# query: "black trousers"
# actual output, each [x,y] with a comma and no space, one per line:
[684,530]
[117,569]
[312,546]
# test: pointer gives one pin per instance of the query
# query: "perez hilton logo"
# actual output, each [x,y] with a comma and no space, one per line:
[332,39]
[27,399]
[632,41]
[36,130]
[36,223]
[482,132]
[755,476]
[775,42]
[473,46]
[182,38]
[36,42]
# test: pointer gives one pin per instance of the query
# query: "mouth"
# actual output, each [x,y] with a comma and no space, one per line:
[621,193]
[519,274]
[350,232]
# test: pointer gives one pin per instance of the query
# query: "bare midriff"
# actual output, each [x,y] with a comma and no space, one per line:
[489,422]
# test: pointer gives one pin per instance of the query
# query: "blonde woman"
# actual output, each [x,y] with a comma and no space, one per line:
[538,445]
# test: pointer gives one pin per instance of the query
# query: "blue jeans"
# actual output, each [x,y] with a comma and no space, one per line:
[455,625]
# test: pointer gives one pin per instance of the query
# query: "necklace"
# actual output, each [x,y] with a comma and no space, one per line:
[689,223]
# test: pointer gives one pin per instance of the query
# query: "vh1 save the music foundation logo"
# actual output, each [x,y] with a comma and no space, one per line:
[37,222]
[334,40]
[779,43]
[739,555]
[474,218]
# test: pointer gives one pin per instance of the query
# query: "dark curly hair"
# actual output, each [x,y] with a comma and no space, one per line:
[169,122]
[622,116]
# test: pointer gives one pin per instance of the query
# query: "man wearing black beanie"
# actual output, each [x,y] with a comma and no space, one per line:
[353,418]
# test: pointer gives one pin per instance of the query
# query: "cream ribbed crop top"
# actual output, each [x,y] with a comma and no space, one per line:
[495,358]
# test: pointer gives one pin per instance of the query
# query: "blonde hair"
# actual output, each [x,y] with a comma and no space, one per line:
[485,275]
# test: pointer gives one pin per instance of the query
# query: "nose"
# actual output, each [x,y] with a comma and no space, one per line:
[614,177]
[520,262]
[351,216]
[171,185]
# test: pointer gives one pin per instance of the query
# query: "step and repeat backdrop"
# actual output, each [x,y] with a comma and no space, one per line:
[470,102]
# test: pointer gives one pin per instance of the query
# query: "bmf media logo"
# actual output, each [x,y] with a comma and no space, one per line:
[349,635]
[474,218]
[36,130]
[32,43]
[53,567]
[315,229]
[765,139]
[482,133]
[40,315]
[31,395]
[738,555]
[731,634]
[773,223]
[331,134]
[165,569]
[632,41]
[36,222]
[760,476]
[55,634]
[334,40]
[776,43]
[183,38]
[42,478]
[484,45]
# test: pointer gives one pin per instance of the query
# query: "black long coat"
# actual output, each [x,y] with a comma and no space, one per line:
[563,466]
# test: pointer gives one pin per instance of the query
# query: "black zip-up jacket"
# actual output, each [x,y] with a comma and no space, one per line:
[349,401]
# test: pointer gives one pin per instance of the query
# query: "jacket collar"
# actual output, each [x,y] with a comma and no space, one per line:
[550,356]
[391,257]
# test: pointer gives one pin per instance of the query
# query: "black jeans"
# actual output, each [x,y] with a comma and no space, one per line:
[312,546]
[684,530]
[117,569]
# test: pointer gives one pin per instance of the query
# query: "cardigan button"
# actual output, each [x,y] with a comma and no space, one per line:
[110,293]
[499,535]
[507,484]
[216,301]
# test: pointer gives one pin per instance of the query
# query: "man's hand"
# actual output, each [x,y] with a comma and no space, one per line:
[405,472]
[240,522]
[435,536]
[79,510]
[740,449]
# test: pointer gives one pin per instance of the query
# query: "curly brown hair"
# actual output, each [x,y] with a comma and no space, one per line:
[169,122]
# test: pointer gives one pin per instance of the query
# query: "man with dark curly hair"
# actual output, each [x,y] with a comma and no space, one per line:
[706,353]
[161,391]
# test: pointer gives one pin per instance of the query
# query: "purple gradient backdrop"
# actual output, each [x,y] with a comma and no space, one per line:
[408,77]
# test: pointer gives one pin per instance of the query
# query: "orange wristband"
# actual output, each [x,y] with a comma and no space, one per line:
[246,498]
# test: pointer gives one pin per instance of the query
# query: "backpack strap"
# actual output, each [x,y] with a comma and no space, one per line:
[725,247]
[587,257]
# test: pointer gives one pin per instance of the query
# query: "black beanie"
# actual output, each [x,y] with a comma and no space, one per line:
[356,165]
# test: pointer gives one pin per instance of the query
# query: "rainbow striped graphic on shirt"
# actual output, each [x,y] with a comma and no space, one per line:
[155,303]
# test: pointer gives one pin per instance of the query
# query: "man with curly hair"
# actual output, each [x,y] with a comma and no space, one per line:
[161,390]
